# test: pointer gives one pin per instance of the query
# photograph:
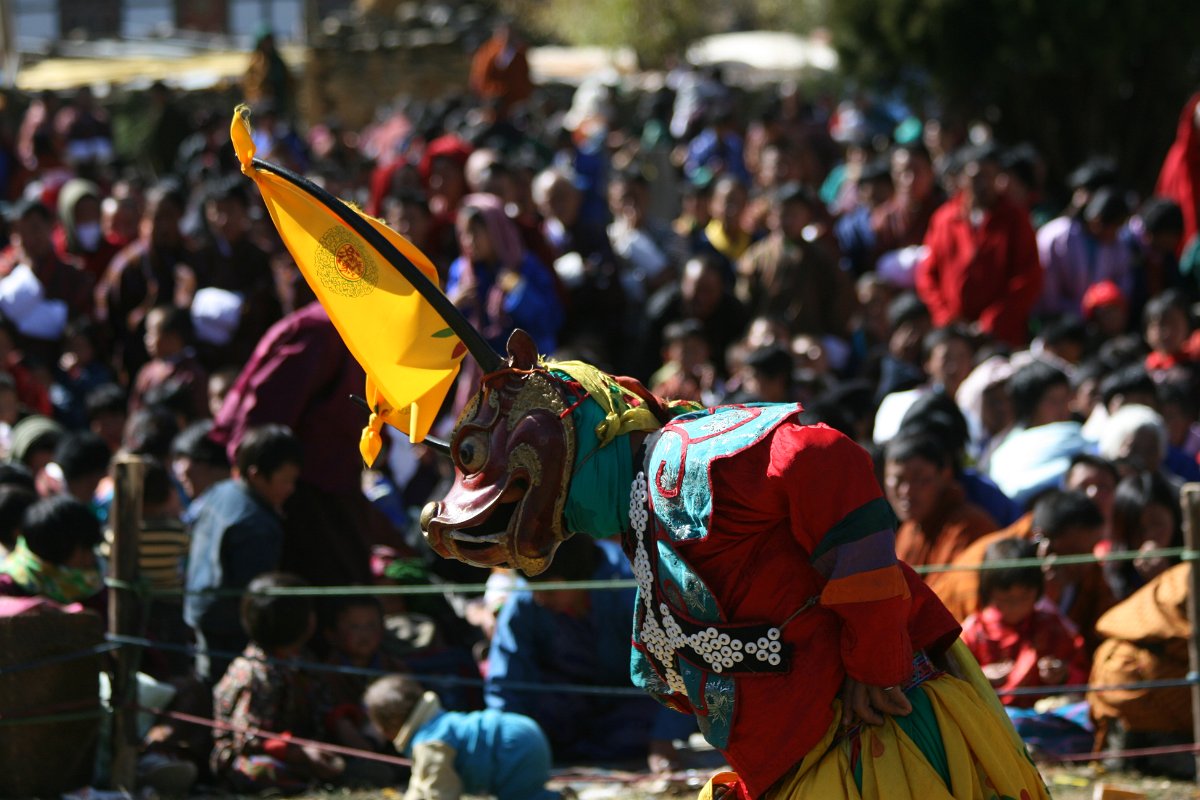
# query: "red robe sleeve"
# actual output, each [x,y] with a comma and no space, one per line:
[1007,318]
[1179,179]
[928,275]
[840,516]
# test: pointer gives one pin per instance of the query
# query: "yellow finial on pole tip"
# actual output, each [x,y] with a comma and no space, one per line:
[243,139]
[412,424]
[371,441]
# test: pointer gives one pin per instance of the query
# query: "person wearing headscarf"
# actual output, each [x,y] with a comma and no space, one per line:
[496,282]
[79,235]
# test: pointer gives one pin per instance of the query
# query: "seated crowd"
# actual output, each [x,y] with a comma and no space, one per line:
[1024,372]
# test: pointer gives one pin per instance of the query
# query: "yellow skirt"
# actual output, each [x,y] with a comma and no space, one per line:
[986,758]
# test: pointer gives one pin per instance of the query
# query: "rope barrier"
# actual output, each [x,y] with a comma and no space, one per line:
[120,641]
[384,758]
[336,749]
[1136,752]
[46,719]
[612,691]
[115,641]
[565,775]
[1081,688]
[1180,553]
[340,669]
[568,776]
[376,590]
[76,655]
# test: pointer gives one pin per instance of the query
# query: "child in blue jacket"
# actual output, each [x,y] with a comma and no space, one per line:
[456,753]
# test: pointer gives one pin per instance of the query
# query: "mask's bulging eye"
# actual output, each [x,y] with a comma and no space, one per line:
[472,453]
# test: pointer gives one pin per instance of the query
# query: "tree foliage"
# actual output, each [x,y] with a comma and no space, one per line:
[655,31]
[1075,77]
[659,30]
[796,16]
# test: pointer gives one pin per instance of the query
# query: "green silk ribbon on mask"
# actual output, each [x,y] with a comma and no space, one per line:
[598,498]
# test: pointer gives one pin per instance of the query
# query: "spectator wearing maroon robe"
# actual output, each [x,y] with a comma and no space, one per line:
[301,375]
[904,218]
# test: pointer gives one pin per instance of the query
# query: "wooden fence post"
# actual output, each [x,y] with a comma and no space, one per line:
[1190,500]
[124,610]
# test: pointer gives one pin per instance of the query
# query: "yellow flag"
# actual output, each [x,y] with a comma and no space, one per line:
[409,353]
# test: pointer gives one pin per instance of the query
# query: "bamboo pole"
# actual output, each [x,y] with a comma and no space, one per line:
[10,57]
[1190,500]
[124,609]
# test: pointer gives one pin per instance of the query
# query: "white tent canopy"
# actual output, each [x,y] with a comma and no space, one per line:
[773,51]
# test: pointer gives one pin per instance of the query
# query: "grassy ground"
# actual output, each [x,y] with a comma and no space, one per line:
[1079,783]
[1071,782]
[1065,783]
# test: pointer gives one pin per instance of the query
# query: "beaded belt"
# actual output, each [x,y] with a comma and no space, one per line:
[723,648]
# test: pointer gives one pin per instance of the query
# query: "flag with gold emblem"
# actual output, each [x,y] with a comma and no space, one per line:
[405,346]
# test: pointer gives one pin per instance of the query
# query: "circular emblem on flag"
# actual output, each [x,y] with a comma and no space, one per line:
[348,262]
[345,265]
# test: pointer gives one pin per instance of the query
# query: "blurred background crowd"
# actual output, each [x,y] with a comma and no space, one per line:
[1012,337]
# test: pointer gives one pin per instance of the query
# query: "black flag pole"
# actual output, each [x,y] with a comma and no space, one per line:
[483,353]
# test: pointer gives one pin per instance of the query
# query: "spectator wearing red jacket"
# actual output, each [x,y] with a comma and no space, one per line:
[1019,640]
[982,267]
[1179,179]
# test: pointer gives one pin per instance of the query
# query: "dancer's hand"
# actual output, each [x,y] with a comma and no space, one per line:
[870,703]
